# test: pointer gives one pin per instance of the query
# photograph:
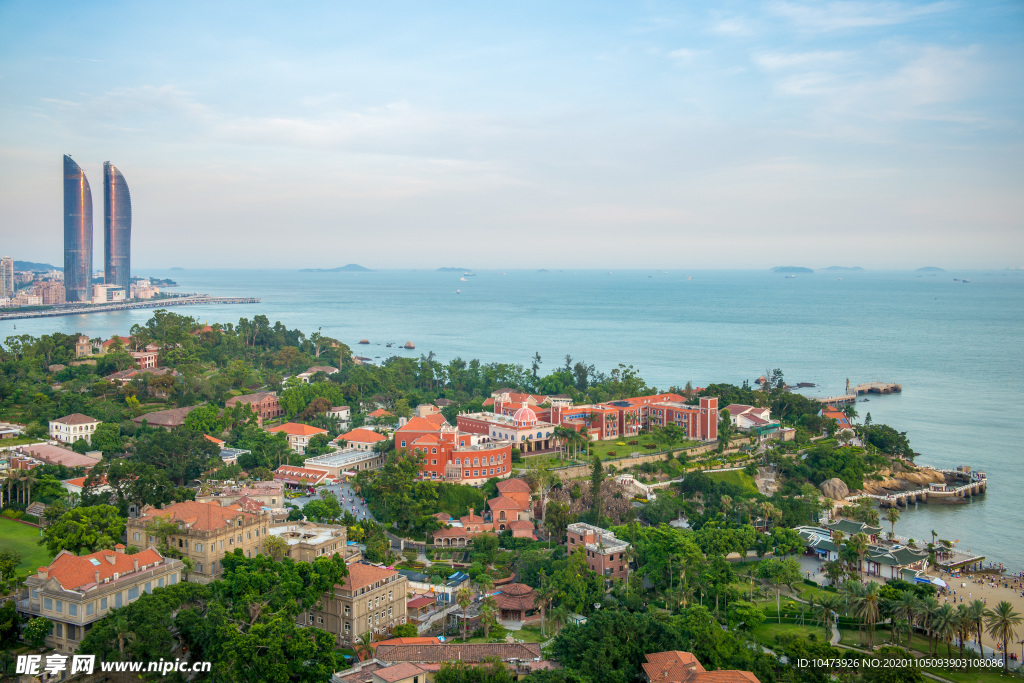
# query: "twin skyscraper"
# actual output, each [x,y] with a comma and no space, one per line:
[117,231]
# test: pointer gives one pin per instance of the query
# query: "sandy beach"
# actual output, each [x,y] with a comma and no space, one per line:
[979,586]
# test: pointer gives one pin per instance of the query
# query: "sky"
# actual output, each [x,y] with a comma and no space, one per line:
[518,135]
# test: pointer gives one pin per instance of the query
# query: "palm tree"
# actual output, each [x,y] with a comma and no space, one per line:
[929,607]
[893,515]
[964,624]
[1002,623]
[464,598]
[487,616]
[945,625]
[828,606]
[976,610]
[866,607]
[124,633]
[906,608]
[859,545]
[545,594]
[363,646]
[485,583]
[559,617]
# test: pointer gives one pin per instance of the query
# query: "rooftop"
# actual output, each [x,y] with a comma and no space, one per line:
[75,419]
[73,572]
[297,429]
[341,458]
[295,533]
[469,652]
[363,436]
[175,417]
[197,516]
[606,540]
[364,575]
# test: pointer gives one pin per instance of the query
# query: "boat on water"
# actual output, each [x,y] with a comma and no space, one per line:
[462,279]
[790,277]
[458,291]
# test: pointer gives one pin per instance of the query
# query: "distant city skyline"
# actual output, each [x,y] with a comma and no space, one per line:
[728,135]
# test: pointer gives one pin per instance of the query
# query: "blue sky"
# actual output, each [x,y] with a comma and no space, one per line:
[670,135]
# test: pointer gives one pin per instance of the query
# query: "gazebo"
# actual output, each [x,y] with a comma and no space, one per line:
[515,600]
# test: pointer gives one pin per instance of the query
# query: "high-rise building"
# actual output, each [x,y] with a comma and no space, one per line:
[117,228]
[6,277]
[77,233]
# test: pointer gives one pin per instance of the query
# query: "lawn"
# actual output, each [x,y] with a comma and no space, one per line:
[23,538]
[736,477]
[19,441]
[765,633]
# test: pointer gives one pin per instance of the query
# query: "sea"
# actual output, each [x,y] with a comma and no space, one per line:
[954,340]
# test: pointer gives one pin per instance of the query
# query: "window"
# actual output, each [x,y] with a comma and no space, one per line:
[199,547]
[403,444]
[148,587]
[390,611]
[58,629]
[160,582]
[239,538]
[369,620]
[346,611]
[47,603]
[389,596]
[133,593]
[103,604]
[117,600]
[369,604]
[476,473]
[173,580]
[60,607]
[135,536]
[433,450]
[200,568]
[466,474]
[347,627]
[433,462]
[89,609]
[72,609]
[248,535]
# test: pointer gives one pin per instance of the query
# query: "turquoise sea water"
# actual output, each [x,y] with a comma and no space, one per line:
[957,349]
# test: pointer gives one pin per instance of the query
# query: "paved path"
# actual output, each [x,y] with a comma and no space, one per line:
[348,499]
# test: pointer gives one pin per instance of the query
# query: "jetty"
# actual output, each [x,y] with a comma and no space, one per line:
[965,484]
[859,390]
[177,300]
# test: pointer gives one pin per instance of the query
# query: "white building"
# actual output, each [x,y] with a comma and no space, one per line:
[6,277]
[71,428]
[103,294]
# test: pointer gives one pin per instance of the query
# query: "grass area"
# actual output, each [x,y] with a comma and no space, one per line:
[23,539]
[737,477]
[976,675]
[765,633]
[19,441]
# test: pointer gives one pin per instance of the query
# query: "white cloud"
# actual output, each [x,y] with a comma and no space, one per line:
[774,61]
[732,26]
[832,16]
[682,55]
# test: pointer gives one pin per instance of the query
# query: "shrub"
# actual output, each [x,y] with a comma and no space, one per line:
[31,519]
[12,514]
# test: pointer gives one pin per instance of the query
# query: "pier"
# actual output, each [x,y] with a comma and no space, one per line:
[975,484]
[178,300]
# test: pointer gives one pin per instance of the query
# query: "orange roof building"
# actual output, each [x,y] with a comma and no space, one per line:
[682,667]
[298,435]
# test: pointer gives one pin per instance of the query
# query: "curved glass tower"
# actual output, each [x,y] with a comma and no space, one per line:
[77,233]
[117,229]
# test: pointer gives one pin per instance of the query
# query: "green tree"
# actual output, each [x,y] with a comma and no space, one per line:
[36,630]
[275,546]
[407,630]
[81,446]
[9,561]
[1001,623]
[84,530]
[107,438]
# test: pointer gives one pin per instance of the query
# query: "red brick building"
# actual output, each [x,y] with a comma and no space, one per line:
[265,403]
[450,455]
[606,554]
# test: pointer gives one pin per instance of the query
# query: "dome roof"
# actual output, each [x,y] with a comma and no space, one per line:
[525,416]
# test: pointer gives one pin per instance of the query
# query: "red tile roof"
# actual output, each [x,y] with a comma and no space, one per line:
[73,571]
[682,667]
[514,486]
[76,419]
[437,419]
[399,672]
[214,439]
[517,524]
[363,575]
[419,602]
[361,435]
[198,516]
[380,412]
[408,640]
[296,429]
[446,652]
[420,424]
[504,503]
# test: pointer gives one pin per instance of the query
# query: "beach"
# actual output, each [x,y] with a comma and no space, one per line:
[980,587]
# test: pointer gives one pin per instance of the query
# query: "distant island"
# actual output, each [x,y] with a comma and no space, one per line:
[453,269]
[930,269]
[32,265]
[350,268]
[791,269]
[847,268]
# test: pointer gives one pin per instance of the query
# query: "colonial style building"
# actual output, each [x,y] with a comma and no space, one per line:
[362,439]
[346,462]
[523,428]
[308,541]
[265,404]
[372,599]
[71,428]
[451,455]
[76,591]
[206,531]
[299,435]
[606,554]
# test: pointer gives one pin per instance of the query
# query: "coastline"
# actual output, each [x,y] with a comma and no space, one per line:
[183,300]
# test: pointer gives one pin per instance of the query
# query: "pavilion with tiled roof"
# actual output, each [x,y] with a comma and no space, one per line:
[682,667]
[515,600]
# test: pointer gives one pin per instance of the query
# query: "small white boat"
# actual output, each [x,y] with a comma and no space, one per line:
[458,291]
